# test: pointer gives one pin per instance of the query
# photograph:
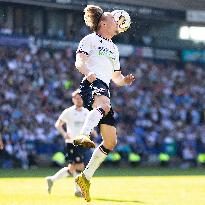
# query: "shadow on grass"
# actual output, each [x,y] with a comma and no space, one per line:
[118,200]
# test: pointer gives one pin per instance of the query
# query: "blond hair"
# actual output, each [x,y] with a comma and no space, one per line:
[93,15]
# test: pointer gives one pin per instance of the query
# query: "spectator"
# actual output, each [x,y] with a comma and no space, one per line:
[166,102]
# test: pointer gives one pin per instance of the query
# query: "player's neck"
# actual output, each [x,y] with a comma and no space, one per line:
[104,34]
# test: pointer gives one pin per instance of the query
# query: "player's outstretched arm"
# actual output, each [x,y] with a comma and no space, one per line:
[81,65]
[122,80]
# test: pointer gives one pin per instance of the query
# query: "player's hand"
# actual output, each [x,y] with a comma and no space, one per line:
[129,79]
[91,77]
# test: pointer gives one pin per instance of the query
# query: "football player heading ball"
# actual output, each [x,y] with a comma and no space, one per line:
[97,58]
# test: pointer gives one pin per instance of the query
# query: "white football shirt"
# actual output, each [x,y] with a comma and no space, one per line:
[103,55]
[74,120]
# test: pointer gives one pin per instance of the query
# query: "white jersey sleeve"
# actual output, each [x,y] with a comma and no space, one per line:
[85,45]
[65,115]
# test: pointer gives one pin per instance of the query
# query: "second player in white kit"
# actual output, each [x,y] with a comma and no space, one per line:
[74,118]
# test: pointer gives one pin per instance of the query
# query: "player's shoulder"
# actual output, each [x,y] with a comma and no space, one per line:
[69,109]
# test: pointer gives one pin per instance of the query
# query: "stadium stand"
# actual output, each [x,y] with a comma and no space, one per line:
[162,113]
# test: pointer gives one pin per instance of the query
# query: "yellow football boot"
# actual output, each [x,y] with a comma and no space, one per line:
[84,185]
[84,141]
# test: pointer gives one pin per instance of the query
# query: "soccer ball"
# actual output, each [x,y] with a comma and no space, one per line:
[123,20]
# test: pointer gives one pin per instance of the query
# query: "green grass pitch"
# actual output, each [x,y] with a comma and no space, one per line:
[136,186]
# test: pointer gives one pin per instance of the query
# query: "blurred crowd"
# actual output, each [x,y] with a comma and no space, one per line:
[163,112]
